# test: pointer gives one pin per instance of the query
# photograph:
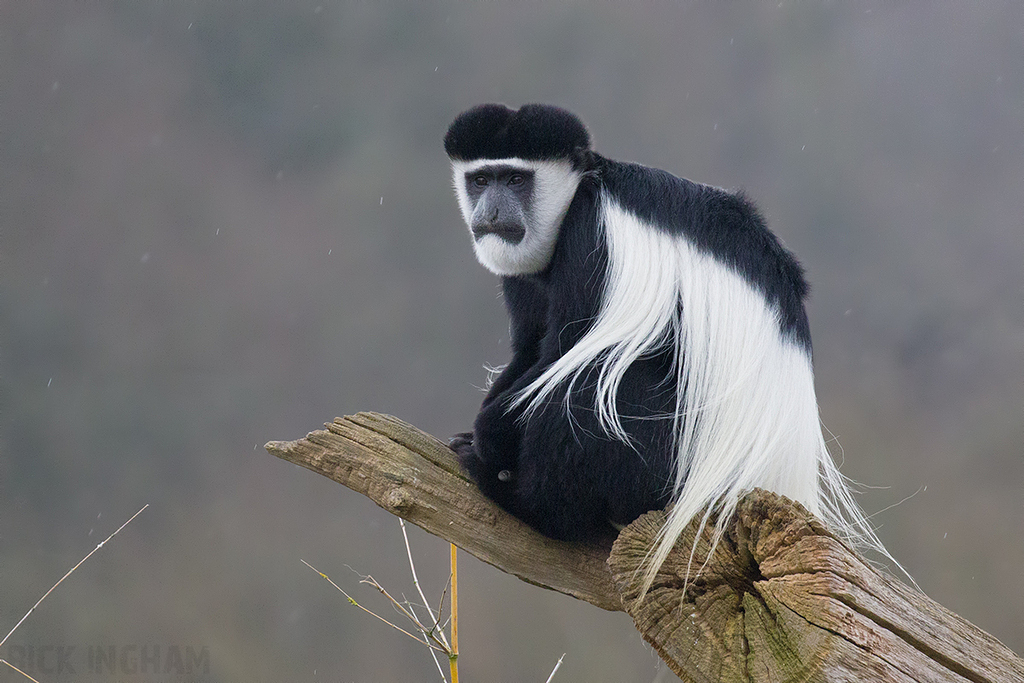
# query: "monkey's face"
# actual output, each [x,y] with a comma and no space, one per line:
[513,209]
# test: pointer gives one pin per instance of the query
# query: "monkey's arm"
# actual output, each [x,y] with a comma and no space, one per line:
[517,462]
[492,448]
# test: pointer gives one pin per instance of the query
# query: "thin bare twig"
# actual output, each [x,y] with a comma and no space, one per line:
[440,604]
[4,661]
[433,653]
[429,633]
[555,670]
[416,582]
[370,612]
[52,588]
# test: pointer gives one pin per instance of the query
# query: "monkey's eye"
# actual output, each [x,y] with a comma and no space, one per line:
[516,179]
[480,180]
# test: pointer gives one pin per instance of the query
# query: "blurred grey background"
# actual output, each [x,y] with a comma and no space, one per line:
[223,223]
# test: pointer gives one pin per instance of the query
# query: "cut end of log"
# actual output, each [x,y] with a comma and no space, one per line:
[706,612]
[781,598]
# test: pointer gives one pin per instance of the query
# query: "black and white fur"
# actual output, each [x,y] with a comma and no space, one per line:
[661,351]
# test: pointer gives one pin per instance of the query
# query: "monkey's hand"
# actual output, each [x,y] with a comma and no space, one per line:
[469,457]
[494,480]
[462,444]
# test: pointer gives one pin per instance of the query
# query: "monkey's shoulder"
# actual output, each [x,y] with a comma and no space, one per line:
[723,224]
[678,205]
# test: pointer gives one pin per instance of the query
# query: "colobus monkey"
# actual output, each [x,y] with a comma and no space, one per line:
[660,348]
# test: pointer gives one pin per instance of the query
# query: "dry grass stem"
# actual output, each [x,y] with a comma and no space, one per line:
[453,658]
[555,670]
[54,586]
[4,661]
[416,582]
[374,614]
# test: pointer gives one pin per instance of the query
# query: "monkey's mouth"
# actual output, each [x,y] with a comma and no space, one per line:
[506,231]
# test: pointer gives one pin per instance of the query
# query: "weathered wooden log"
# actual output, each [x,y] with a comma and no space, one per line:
[416,477]
[780,598]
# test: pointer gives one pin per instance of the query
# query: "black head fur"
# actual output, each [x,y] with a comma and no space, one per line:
[534,131]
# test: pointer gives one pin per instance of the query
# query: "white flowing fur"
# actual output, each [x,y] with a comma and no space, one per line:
[746,413]
[554,185]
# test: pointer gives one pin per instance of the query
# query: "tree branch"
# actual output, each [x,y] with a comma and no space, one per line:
[416,477]
[780,599]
